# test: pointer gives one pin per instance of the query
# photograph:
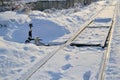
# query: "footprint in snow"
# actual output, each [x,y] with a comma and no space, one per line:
[32,58]
[55,75]
[25,48]
[67,57]
[87,75]
[66,67]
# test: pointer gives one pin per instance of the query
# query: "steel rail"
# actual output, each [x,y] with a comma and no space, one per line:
[101,75]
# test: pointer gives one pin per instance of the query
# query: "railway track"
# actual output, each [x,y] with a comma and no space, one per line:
[43,61]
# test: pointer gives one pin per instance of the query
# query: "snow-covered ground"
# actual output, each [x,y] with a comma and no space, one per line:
[73,63]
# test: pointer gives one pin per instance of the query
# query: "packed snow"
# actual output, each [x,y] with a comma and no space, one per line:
[52,26]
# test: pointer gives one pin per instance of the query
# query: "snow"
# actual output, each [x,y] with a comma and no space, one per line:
[71,63]
[113,68]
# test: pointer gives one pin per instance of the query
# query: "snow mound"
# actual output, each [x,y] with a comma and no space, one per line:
[17,30]
[47,30]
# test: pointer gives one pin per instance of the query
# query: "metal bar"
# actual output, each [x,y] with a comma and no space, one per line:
[82,45]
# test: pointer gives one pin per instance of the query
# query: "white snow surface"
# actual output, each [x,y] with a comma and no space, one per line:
[71,63]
